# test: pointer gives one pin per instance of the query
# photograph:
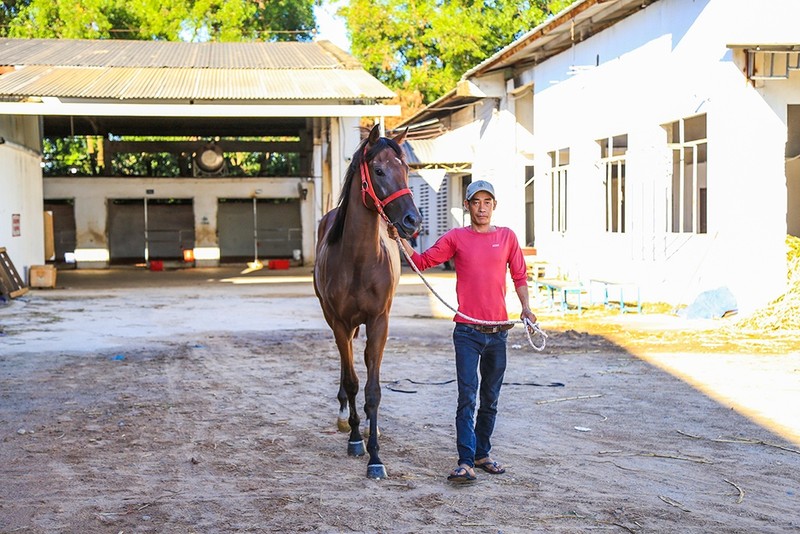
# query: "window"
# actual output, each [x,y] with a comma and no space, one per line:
[687,198]
[613,151]
[530,232]
[559,161]
[766,64]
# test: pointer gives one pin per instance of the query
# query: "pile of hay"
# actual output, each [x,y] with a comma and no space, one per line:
[784,312]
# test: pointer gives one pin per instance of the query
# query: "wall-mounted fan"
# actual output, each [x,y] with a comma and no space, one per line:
[209,161]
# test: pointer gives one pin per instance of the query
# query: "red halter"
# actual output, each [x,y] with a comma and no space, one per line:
[368,189]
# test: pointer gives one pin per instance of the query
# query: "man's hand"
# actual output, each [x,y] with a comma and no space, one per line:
[392,231]
[529,315]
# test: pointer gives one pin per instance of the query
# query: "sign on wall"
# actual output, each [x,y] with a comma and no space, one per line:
[15,225]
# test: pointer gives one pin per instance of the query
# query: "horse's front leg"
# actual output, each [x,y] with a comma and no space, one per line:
[348,390]
[377,331]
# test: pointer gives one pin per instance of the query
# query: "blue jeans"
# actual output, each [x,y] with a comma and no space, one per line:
[476,350]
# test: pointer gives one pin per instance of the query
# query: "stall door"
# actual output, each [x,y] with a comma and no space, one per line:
[126,230]
[63,226]
[261,228]
[170,228]
[149,229]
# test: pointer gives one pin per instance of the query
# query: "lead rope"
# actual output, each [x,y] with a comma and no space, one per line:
[530,327]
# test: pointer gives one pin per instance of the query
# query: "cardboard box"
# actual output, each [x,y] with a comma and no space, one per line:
[42,276]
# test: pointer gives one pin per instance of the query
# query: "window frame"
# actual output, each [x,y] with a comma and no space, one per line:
[559,174]
[611,160]
[687,150]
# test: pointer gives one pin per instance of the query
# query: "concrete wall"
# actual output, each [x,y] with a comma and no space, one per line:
[92,193]
[21,192]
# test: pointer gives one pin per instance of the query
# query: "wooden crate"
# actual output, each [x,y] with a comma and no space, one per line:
[42,276]
[11,283]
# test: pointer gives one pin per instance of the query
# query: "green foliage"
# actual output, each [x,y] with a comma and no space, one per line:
[259,164]
[161,164]
[67,156]
[81,156]
[426,45]
[169,20]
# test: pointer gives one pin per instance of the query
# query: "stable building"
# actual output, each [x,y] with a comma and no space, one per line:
[652,144]
[209,105]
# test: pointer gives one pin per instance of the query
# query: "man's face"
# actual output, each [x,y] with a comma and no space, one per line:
[480,206]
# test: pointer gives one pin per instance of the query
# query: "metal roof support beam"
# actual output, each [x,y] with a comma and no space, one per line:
[56,107]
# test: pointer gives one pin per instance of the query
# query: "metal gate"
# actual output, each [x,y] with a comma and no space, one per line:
[433,201]
[261,228]
[141,230]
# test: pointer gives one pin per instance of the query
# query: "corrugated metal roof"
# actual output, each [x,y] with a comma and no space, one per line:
[154,54]
[168,71]
[439,151]
[127,83]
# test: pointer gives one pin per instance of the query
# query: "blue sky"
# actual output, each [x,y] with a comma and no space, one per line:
[332,27]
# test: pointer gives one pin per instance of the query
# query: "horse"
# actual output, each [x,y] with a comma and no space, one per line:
[357,270]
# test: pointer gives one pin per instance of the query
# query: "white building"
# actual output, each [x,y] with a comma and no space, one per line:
[305,99]
[654,142]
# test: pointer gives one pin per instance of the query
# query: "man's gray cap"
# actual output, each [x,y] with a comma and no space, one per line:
[480,185]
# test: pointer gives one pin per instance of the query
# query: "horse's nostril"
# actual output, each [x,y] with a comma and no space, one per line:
[412,221]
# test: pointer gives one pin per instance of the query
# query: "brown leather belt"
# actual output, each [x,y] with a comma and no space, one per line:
[486,329]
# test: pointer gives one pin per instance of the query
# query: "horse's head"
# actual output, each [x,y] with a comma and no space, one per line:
[384,182]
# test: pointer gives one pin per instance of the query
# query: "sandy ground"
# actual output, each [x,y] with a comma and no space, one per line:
[201,401]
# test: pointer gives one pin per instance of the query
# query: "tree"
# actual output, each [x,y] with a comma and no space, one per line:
[169,20]
[426,45]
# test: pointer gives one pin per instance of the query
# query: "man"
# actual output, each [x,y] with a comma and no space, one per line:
[482,254]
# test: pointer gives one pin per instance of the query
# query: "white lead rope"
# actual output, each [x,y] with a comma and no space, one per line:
[530,327]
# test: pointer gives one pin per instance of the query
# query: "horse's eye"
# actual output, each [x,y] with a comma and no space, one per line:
[379,171]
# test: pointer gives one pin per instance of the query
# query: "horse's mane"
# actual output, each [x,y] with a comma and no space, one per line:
[353,174]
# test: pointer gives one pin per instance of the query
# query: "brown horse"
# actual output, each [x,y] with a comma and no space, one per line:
[357,270]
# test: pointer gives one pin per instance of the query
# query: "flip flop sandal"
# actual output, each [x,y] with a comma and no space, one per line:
[461,476]
[492,467]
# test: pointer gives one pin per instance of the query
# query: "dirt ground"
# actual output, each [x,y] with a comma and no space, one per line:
[202,401]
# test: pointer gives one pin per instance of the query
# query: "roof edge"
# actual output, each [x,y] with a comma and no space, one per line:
[560,19]
[347,60]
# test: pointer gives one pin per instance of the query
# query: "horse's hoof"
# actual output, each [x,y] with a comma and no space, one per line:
[376,471]
[355,448]
[343,425]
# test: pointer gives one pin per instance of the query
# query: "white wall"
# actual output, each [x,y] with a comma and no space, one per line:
[345,136]
[21,192]
[667,62]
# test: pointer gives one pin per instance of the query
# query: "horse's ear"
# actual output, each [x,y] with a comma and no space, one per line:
[401,138]
[374,134]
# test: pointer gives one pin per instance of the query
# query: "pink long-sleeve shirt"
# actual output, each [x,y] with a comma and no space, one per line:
[481,262]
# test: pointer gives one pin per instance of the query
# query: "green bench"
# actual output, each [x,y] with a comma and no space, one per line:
[564,288]
[620,289]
